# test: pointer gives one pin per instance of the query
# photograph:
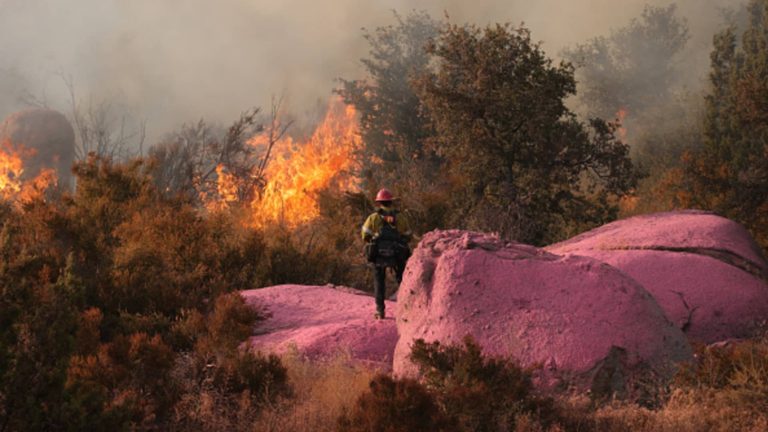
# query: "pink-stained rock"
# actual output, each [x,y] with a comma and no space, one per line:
[321,321]
[705,271]
[571,314]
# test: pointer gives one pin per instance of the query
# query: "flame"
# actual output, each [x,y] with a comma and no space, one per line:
[298,171]
[13,186]
[11,169]
[227,186]
[620,116]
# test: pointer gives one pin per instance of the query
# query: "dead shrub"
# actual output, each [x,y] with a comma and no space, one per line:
[394,406]
[322,390]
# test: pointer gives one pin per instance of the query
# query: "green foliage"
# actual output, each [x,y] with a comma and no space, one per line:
[394,123]
[469,127]
[728,175]
[524,166]
[639,75]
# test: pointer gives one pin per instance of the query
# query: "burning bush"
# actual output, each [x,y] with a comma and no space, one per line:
[14,187]
[107,291]
[294,192]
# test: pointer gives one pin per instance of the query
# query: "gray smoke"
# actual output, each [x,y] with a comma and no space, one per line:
[175,61]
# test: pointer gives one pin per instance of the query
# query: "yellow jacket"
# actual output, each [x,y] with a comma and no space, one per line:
[372,225]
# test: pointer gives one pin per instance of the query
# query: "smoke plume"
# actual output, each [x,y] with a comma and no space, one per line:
[176,61]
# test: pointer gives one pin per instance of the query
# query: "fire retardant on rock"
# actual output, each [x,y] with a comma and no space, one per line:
[705,271]
[322,321]
[573,315]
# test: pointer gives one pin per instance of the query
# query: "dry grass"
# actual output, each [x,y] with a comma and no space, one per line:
[686,411]
[322,392]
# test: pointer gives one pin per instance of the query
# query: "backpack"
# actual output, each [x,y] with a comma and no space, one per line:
[387,247]
[388,242]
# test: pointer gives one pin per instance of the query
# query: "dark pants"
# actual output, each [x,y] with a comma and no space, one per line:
[380,277]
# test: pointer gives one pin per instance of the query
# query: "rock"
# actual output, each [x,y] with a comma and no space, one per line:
[321,321]
[50,134]
[572,314]
[705,271]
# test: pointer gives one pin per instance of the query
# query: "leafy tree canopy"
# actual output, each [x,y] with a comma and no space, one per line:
[729,175]
[525,165]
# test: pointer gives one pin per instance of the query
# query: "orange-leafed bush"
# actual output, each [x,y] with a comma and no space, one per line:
[106,291]
[129,375]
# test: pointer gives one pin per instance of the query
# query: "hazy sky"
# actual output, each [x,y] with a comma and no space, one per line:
[173,61]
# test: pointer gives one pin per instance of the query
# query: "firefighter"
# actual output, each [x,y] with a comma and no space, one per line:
[386,233]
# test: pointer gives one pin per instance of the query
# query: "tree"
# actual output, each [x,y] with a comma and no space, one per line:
[393,122]
[105,129]
[192,160]
[729,174]
[634,67]
[633,74]
[524,165]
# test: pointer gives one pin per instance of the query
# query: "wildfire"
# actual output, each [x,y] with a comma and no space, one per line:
[620,116]
[298,171]
[13,187]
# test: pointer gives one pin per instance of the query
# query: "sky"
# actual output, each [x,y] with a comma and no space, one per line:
[175,61]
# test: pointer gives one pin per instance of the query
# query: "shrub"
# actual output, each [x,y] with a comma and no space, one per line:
[738,371]
[460,391]
[394,406]
[106,291]
[479,394]
[227,326]
[129,375]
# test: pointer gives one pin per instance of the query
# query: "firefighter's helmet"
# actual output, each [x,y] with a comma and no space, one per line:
[384,195]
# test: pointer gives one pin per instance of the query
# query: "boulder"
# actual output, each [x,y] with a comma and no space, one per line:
[321,321]
[705,271]
[572,314]
[51,137]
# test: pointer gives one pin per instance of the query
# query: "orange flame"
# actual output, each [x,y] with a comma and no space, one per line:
[620,116]
[11,169]
[13,186]
[227,185]
[298,171]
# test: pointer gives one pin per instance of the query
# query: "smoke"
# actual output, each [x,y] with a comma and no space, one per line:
[176,61]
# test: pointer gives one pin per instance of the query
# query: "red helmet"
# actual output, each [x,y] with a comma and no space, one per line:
[384,195]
